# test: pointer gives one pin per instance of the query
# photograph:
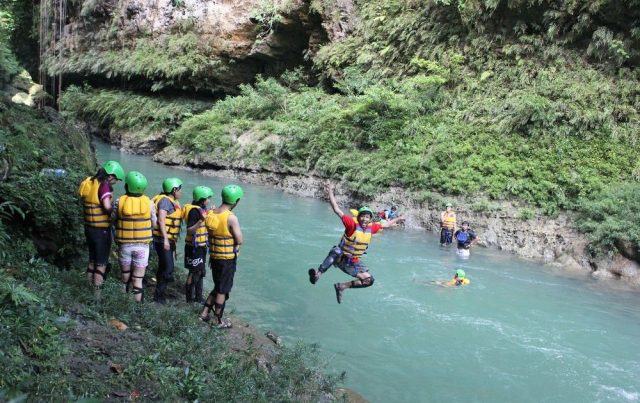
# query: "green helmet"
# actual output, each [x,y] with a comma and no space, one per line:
[201,192]
[365,210]
[136,182]
[171,183]
[231,194]
[114,168]
[460,273]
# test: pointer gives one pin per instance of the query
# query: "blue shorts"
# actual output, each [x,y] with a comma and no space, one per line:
[352,268]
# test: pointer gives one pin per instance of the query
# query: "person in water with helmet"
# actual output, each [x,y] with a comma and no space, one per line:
[196,243]
[355,241]
[459,279]
[134,215]
[465,237]
[225,238]
[165,233]
[96,193]
[447,225]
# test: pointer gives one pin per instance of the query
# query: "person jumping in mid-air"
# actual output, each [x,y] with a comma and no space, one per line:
[355,241]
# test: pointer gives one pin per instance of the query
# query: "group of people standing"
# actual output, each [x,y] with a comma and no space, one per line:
[464,236]
[134,221]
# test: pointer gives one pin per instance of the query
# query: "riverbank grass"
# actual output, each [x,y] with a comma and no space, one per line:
[58,341]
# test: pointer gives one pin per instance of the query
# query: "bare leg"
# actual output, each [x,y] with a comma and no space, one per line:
[221,300]
[197,286]
[208,305]
[363,280]
[188,287]
[136,279]
[215,302]
[98,279]
[125,272]
[90,268]
[98,275]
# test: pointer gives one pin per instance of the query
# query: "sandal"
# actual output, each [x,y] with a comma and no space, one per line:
[204,318]
[224,324]
[313,276]
[338,292]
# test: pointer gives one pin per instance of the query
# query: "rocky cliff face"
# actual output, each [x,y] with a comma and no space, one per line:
[212,45]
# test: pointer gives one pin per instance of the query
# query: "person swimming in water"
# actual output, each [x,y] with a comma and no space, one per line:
[459,279]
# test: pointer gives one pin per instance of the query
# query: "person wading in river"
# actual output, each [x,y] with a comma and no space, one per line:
[165,233]
[134,215]
[196,242]
[465,237]
[96,193]
[225,238]
[447,225]
[355,241]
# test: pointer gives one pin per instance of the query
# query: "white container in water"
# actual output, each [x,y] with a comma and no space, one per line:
[54,172]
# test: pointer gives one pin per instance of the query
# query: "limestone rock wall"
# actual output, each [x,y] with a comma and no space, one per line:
[212,45]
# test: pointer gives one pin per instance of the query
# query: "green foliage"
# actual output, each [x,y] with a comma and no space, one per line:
[127,110]
[9,66]
[32,205]
[16,294]
[548,146]
[526,214]
[54,343]
[610,218]
[267,14]
[178,59]
[394,33]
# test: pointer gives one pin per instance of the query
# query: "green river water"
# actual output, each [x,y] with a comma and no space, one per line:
[519,333]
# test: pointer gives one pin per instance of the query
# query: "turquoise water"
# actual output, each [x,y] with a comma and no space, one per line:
[519,332]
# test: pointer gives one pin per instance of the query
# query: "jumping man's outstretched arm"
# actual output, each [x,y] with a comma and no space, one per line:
[393,223]
[328,186]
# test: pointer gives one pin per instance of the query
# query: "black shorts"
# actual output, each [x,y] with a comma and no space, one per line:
[446,236]
[194,259]
[99,242]
[223,272]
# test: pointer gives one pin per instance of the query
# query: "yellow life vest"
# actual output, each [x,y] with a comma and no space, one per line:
[202,235]
[222,245]
[134,220]
[355,245]
[94,214]
[172,221]
[452,282]
[449,221]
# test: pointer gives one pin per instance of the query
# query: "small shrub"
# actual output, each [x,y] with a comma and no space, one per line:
[610,216]
[526,214]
